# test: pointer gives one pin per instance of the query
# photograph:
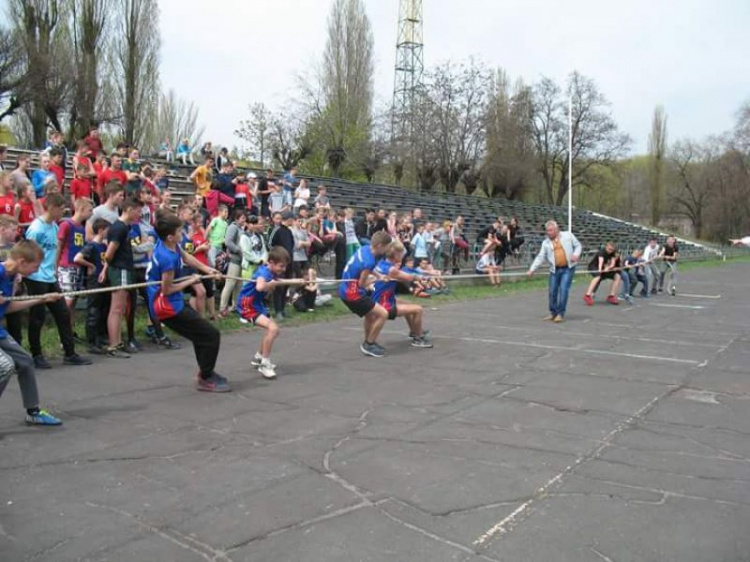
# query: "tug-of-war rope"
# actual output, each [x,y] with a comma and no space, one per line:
[295,282]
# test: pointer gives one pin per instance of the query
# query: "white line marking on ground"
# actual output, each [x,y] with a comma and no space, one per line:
[505,525]
[690,306]
[691,296]
[555,348]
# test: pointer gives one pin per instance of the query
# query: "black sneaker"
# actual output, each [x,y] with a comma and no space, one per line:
[131,347]
[166,343]
[96,349]
[76,360]
[41,363]
[421,342]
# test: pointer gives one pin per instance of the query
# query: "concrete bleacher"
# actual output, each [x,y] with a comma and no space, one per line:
[591,228]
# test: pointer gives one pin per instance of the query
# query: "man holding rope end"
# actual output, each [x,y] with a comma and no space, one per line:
[561,250]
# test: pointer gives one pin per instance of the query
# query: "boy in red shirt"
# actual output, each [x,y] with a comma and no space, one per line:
[27,208]
[201,246]
[57,166]
[7,200]
[80,187]
[114,172]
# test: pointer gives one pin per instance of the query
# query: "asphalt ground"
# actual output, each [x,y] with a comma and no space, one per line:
[621,435]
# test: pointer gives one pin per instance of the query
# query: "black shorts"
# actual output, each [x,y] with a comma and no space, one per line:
[209,285]
[604,275]
[361,307]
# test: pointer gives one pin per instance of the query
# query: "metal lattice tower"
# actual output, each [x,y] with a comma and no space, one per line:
[409,65]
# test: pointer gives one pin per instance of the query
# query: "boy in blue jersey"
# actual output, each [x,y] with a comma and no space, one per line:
[251,306]
[70,239]
[23,260]
[168,305]
[389,274]
[355,296]
[91,257]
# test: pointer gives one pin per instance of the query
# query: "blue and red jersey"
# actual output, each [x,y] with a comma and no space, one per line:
[363,260]
[252,303]
[164,260]
[71,236]
[384,292]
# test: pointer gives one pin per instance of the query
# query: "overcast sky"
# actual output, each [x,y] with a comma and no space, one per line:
[689,55]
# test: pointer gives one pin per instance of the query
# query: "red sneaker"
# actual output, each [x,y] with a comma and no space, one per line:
[611,299]
[589,300]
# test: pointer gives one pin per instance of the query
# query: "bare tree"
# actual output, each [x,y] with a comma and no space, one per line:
[509,163]
[136,55]
[256,131]
[11,73]
[289,140]
[657,148]
[596,138]
[42,27]
[176,119]
[694,167]
[89,25]
[341,98]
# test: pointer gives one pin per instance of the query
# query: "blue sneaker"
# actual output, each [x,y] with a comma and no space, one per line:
[42,417]
[214,383]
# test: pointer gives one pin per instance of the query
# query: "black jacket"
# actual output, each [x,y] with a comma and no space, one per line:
[282,236]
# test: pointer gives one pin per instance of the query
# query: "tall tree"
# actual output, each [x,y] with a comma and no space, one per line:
[175,119]
[509,162]
[11,73]
[342,98]
[39,23]
[657,149]
[597,140]
[89,25]
[136,53]
[256,132]
[694,166]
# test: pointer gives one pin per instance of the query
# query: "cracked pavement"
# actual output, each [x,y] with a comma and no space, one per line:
[621,435]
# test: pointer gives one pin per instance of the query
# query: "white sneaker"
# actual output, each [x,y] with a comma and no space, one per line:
[267,369]
[257,360]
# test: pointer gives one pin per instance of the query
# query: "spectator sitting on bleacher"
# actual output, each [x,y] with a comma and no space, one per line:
[301,196]
[20,175]
[322,201]
[94,143]
[222,159]
[514,231]
[487,231]
[184,154]
[160,178]
[207,151]
[41,176]
[202,176]
[165,151]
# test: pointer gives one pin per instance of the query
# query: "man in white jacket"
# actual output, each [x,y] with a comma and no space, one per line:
[650,255]
[561,250]
[741,241]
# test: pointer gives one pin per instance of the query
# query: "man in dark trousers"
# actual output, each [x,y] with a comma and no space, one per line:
[281,235]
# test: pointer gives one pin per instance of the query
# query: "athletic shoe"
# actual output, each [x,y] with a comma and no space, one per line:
[280,317]
[673,291]
[558,319]
[244,321]
[589,300]
[257,360]
[166,343]
[630,299]
[214,383]
[96,349]
[131,347]
[421,342]
[41,363]
[426,334]
[267,369]
[611,299]
[549,318]
[151,334]
[372,349]
[76,360]
[118,351]
[42,417]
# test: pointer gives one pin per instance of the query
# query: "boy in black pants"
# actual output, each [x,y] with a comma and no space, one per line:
[281,235]
[91,257]
[168,305]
